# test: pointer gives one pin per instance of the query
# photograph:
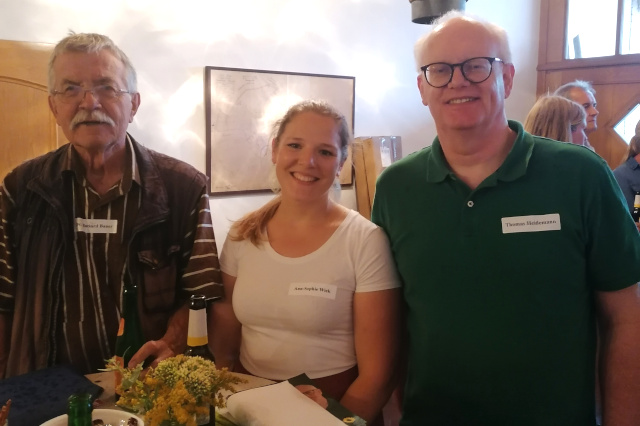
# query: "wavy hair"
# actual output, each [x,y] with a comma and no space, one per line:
[553,117]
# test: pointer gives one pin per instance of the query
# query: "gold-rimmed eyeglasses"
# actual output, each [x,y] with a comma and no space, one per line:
[72,93]
[474,70]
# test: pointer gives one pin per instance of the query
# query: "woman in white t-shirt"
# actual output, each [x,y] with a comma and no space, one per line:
[310,285]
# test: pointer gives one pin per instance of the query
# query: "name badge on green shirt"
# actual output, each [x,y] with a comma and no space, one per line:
[533,223]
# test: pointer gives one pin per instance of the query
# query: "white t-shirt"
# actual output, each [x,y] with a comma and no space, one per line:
[297,313]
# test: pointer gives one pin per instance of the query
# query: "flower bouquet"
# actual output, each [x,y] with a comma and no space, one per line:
[175,391]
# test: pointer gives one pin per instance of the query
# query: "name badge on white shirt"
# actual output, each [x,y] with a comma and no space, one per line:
[534,223]
[328,291]
[97,226]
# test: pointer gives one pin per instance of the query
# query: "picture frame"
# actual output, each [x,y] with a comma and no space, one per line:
[241,106]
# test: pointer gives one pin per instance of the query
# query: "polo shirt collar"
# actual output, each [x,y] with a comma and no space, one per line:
[513,167]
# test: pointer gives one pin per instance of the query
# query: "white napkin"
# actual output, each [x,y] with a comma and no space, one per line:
[277,405]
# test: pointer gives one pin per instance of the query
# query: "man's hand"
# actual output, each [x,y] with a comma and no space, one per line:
[173,342]
[157,350]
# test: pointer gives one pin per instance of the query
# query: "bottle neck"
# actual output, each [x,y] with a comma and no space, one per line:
[129,300]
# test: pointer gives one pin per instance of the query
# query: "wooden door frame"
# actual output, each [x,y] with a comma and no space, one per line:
[551,50]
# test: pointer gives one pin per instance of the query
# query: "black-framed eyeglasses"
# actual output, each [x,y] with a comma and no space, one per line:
[71,93]
[474,70]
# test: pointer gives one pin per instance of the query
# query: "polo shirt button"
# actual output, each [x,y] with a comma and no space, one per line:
[470,203]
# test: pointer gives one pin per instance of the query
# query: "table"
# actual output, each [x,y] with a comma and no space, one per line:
[106,380]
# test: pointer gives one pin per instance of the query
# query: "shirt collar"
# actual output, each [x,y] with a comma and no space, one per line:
[74,164]
[632,163]
[513,167]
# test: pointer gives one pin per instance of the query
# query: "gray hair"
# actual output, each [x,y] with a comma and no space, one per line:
[92,43]
[500,34]
[566,88]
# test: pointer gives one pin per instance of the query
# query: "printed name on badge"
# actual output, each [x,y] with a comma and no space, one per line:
[97,226]
[328,291]
[534,223]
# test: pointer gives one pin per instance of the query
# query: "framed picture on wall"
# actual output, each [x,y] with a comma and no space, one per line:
[241,106]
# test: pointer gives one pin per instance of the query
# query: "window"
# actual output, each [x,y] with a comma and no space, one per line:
[626,128]
[630,42]
[593,27]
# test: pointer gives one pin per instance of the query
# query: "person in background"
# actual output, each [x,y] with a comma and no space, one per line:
[584,94]
[97,214]
[310,286]
[628,173]
[510,248]
[557,118]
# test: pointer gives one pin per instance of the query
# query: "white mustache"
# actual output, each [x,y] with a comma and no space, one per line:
[96,116]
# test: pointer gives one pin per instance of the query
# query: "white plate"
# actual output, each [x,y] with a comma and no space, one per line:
[107,415]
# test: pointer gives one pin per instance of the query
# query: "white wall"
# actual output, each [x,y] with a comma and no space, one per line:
[170,42]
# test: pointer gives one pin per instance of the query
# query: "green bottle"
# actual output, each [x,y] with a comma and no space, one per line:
[129,338]
[79,409]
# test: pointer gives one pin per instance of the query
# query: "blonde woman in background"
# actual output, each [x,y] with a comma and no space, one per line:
[557,118]
[310,286]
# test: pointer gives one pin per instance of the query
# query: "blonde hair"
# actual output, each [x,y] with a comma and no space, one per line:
[252,226]
[553,116]
[634,143]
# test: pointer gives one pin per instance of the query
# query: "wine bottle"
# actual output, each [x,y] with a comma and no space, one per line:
[129,338]
[79,410]
[198,345]
[635,213]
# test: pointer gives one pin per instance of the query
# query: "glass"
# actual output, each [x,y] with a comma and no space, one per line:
[79,410]
[626,128]
[630,41]
[591,28]
[474,70]
[72,93]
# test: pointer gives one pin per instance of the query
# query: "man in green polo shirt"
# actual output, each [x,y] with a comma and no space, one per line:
[512,250]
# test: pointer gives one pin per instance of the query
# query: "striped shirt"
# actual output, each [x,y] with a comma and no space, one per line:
[96,265]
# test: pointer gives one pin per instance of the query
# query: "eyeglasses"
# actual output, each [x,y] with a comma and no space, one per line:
[74,93]
[474,70]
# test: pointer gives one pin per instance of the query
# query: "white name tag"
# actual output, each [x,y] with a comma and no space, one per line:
[97,226]
[535,223]
[328,291]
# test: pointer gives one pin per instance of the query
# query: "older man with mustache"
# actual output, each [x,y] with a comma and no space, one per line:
[99,214]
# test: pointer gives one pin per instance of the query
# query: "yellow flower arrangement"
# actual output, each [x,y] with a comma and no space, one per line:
[173,392]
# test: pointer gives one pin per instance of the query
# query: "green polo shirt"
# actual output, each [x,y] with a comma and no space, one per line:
[499,281]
